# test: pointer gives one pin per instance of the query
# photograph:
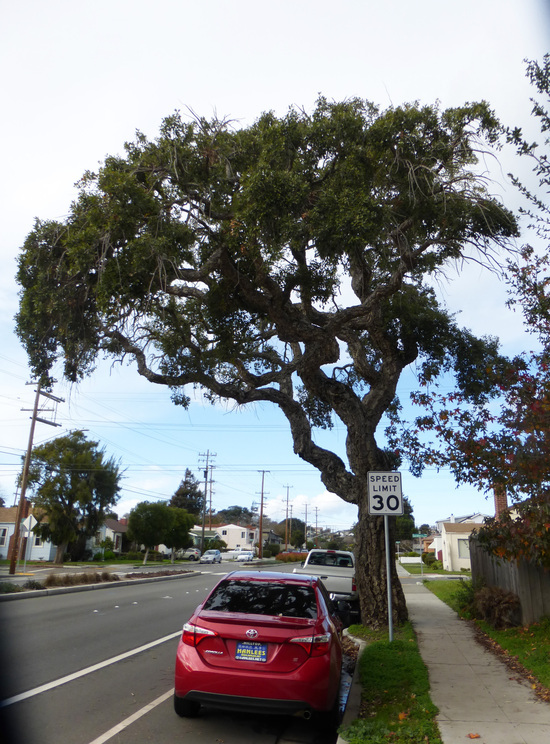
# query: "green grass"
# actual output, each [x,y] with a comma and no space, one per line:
[396,705]
[454,593]
[530,646]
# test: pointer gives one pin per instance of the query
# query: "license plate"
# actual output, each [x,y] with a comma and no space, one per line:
[251,651]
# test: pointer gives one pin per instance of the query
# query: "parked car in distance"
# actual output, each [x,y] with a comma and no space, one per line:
[245,555]
[191,554]
[336,568]
[263,642]
[211,556]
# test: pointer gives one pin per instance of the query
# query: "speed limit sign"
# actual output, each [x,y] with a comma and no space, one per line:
[385,496]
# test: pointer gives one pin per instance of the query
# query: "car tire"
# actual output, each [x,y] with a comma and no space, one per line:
[186,708]
[330,719]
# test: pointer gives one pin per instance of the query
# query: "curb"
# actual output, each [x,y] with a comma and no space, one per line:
[90,587]
[354,698]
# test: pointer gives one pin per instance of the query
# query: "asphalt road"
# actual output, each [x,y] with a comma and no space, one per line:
[97,666]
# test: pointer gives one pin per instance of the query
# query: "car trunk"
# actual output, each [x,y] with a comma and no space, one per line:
[255,643]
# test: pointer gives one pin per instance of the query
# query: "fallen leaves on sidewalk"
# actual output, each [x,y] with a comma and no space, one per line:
[523,674]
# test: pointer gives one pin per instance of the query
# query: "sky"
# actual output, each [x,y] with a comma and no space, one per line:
[78,80]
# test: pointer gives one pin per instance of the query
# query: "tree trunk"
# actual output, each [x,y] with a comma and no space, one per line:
[145,556]
[60,553]
[371,574]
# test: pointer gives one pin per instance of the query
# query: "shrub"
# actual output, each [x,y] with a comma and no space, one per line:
[98,557]
[291,557]
[429,558]
[6,587]
[498,607]
[33,584]
[437,566]
[109,555]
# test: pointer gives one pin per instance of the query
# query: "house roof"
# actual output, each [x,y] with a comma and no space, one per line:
[8,514]
[461,527]
[116,526]
[207,533]
[464,518]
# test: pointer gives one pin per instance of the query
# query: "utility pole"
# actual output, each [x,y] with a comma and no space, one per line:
[290,527]
[206,472]
[286,519]
[261,545]
[305,529]
[210,507]
[316,526]
[26,466]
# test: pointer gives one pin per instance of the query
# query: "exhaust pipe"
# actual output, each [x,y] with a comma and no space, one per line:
[305,714]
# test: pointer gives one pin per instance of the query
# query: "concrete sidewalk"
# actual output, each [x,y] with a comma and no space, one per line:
[475,692]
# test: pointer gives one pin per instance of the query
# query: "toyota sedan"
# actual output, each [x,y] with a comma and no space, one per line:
[262,642]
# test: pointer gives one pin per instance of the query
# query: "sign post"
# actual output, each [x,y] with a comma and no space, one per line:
[420,535]
[28,524]
[386,499]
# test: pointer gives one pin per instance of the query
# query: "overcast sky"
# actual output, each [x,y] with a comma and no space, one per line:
[79,78]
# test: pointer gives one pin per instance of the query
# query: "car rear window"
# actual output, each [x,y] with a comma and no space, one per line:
[263,598]
[330,559]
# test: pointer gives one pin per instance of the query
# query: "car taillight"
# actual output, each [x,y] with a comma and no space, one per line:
[353,585]
[193,634]
[314,645]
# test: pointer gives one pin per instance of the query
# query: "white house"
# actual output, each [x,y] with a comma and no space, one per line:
[237,537]
[455,545]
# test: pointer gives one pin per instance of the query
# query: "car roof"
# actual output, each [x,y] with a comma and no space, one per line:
[272,576]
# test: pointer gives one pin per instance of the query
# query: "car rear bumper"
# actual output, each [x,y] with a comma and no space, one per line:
[313,686]
[251,704]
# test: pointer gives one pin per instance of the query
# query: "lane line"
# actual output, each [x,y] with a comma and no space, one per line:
[84,672]
[132,719]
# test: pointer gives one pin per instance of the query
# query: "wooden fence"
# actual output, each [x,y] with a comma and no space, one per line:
[531,583]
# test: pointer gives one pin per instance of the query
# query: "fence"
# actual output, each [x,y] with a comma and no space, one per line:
[531,583]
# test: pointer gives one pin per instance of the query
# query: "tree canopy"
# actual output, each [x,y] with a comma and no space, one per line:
[74,487]
[234,514]
[157,523]
[189,496]
[501,442]
[290,261]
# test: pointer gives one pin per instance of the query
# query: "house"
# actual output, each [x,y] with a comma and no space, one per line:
[271,538]
[478,518]
[454,545]
[237,537]
[114,530]
[31,546]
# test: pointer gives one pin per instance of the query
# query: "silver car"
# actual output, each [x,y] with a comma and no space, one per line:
[191,554]
[211,556]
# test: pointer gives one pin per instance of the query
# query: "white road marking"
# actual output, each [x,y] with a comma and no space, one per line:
[131,719]
[84,672]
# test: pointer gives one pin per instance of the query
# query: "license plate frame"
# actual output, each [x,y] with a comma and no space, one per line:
[251,651]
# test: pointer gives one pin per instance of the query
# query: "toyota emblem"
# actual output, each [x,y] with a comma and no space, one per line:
[251,633]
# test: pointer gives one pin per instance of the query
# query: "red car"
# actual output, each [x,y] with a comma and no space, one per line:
[264,642]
